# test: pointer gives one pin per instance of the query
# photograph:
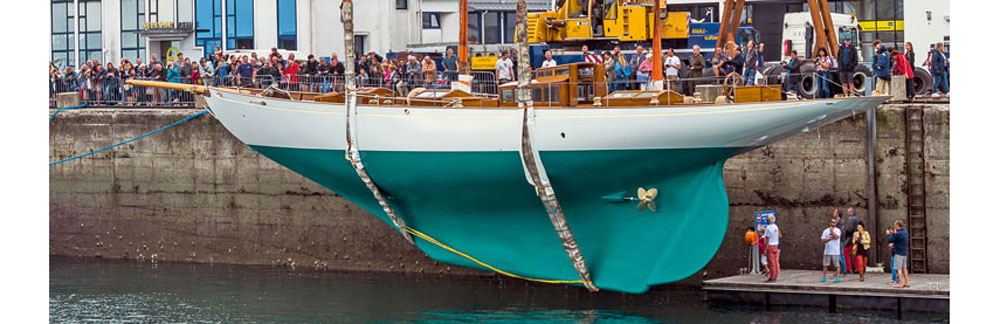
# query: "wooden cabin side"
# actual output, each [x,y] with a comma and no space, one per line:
[575,85]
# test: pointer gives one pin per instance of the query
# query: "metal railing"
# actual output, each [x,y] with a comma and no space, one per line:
[114,91]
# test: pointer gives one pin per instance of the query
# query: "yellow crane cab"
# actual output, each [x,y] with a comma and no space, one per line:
[585,20]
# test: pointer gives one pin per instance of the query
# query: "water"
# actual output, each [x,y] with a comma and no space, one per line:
[115,291]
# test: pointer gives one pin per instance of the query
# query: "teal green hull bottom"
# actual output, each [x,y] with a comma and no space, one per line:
[479,203]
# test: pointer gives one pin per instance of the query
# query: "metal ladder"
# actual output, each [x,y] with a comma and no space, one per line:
[916,209]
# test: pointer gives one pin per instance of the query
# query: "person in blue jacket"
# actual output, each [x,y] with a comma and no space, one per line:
[883,68]
[622,69]
[899,240]
[173,76]
[938,69]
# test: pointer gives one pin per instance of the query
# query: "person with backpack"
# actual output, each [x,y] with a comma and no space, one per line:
[882,66]
[938,70]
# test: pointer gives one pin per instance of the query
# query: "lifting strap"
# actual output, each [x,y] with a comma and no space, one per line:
[354,155]
[534,171]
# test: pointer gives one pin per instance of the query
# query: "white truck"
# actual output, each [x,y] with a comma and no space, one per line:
[798,34]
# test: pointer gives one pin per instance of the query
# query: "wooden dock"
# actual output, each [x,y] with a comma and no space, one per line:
[927,292]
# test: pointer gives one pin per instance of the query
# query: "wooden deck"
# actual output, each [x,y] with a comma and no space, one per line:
[927,292]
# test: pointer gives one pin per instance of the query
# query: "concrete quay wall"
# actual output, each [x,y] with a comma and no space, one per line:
[195,193]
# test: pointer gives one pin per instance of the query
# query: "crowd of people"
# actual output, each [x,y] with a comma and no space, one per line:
[106,83]
[846,247]
[747,62]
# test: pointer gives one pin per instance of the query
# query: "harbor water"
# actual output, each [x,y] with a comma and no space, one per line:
[86,290]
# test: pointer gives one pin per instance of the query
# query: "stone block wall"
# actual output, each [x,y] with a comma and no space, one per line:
[195,193]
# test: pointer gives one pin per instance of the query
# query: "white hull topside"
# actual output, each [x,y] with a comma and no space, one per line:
[262,121]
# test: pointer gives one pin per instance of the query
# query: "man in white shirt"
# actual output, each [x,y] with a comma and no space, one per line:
[549,62]
[505,69]
[672,64]
[831,250]
[772,236]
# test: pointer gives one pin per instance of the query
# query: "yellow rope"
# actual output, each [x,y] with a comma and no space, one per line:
[446,247]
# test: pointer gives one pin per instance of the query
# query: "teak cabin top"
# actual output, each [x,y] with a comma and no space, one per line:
[567,85]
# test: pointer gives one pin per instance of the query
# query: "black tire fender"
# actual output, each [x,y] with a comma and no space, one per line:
[860,78]
[808,86]
[922,81]
[772,74]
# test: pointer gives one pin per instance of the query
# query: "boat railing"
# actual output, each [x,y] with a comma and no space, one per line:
[114,91]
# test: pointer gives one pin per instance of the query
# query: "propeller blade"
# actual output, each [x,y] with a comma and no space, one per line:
[652,193]
[652,206]
[642,205]
[642,193]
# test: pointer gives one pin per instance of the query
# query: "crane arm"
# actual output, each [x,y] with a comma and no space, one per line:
[826,33]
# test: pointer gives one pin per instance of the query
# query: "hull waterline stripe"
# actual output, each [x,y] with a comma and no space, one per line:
[430,239]
[131,140]
[534,171]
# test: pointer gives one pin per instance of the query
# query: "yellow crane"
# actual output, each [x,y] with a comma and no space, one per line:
[605,20]
[826,33]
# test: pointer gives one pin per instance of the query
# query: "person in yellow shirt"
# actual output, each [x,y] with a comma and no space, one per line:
[862,242]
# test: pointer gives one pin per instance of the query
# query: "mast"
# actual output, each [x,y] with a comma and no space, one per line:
[523,59]
[347,17]
[463,37]
[657,46]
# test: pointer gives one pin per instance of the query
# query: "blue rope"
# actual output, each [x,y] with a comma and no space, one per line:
[65,108]
[131,140]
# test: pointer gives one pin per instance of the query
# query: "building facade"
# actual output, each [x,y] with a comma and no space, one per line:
[110,30]
[895,22]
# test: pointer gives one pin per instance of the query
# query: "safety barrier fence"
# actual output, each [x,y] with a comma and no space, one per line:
[115,92]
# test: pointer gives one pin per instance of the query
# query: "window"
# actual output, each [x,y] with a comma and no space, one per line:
[747,16]
[161,10]
[133,15]
[702,12]
[509,22]
[432,20]
[89,13]
[184,11]
[360,45]
[401,4]
[507,95]
[239,24]
[610,9]
[553,93]
[491,28]
[286,25]
[208,25]
[63,40]
[585,92]
[473,28]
